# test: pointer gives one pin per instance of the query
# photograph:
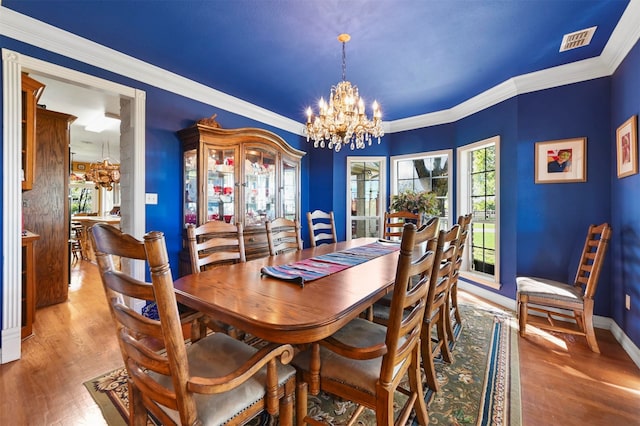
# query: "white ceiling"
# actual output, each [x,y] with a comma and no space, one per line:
[87,105]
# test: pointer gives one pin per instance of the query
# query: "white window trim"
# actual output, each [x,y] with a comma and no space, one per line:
[447,152]
[464,207]
[382,194]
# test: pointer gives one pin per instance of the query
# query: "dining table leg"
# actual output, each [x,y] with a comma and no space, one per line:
[314,369]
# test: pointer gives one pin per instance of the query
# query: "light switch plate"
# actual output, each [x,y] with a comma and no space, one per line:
[151,198]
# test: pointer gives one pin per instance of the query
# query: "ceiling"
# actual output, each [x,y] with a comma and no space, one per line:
[88,106]
[413,56]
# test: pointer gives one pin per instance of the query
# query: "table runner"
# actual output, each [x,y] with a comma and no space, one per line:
[317,267]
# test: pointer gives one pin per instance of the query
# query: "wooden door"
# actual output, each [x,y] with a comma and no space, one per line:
[46,207]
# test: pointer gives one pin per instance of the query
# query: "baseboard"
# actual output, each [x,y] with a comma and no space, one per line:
[598,321]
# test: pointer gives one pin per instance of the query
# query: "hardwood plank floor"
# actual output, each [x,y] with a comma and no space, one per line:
[563,382]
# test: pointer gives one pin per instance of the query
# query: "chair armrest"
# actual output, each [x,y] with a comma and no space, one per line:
[353,352]
[265,356]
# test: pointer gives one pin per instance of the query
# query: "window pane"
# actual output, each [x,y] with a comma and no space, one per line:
[365,228]
[482,200]
[478,181]
[405,169]
[428,173]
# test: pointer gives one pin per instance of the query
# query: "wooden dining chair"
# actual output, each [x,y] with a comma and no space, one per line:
[435,337]
[322,228]
[571,303]
[454,320]
[379,311]
[394,223]
[216,380]
[283,235]
[213,244]
[365,362]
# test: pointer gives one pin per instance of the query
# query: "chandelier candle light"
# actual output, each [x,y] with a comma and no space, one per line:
[343,121]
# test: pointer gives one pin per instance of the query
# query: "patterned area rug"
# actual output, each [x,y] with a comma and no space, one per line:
[481,386]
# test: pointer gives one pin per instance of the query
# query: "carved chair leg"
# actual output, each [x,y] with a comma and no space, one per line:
[286,404]
[427,357]
[415,385]
[587,319]
[522,315]
[301,402]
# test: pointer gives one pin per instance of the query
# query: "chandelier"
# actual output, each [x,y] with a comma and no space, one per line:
[104,173]
[343,121]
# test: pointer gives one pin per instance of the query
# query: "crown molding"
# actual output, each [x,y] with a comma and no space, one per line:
[40,34]
[624,37]
[45,36]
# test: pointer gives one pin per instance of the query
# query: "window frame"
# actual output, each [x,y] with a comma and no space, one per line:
[420,155]
[464,206]
[382,193]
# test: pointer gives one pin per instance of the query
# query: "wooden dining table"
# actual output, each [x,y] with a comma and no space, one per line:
[286,312]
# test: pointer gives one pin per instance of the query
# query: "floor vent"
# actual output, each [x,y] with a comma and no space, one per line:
[577,39]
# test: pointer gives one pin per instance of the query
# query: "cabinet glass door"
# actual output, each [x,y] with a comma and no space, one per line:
[259,186]
[289,190]
[221,185]
[190,187]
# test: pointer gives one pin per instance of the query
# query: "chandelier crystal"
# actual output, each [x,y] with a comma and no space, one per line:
[343,120]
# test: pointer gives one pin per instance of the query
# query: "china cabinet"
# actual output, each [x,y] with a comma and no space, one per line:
[245,175]
[31,92]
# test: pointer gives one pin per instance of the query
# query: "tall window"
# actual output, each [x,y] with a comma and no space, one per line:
[429,172]
[479,194]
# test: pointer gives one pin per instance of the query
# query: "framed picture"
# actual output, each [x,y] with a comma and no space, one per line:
[561,161]
[627,147]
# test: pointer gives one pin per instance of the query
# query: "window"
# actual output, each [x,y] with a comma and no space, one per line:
[366,194]
[84,198]
[428,171]
[478,171]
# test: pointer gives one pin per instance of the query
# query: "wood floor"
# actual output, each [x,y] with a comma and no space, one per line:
[563,383]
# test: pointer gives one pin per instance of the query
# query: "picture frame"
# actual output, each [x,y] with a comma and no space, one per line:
[627,147]
[561,161]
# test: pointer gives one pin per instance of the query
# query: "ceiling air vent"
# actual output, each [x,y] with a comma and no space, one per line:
[577,39]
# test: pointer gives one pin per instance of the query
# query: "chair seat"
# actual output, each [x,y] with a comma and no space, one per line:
[549,290]
[360,374]
[215,356]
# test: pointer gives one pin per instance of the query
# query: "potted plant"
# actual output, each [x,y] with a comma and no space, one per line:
[423,202]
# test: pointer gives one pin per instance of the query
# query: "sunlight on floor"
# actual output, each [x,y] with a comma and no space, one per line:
[547,336]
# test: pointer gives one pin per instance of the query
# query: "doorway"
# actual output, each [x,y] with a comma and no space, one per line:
[132,109]
[366,196]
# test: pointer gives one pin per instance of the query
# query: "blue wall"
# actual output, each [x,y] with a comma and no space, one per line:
[542,226]
[625,203]
[553,218]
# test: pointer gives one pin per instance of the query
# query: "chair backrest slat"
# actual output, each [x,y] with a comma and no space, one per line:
[215,243]
[394,223]
[408,301]
[283,235]
[322,228]
[592,258]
